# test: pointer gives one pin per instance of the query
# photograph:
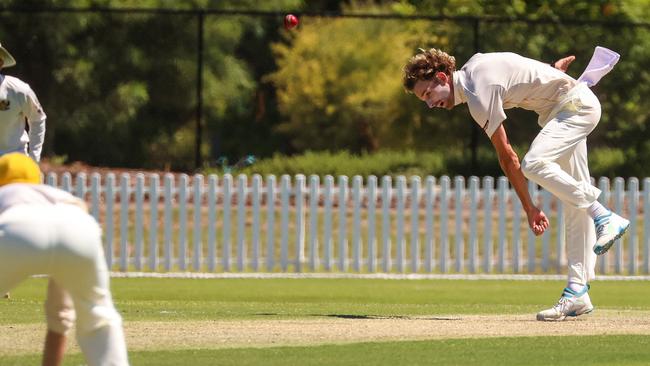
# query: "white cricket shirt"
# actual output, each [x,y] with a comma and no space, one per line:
[491,82]
[18,104]
[40,194]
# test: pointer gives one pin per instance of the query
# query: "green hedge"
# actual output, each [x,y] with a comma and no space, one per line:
[603,162]
[382,163]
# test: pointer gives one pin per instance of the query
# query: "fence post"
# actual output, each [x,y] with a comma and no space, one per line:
[139,221]
[197,200]
[314,187]
[502,202]
[109,232]
[372,241]
[619,197]
[473,223]
[399,240]
[300,221]
[516,233]
[327,223]
[633,200]
[256,195]
[488,192]
[445,183]
[342,201]
[213,181]
[270,218]
[357,183]
[415,223]
[429,238]
[242,193]
[168,224]
[182,221]
[95,194]
[125,193]
[285,191]
[80,189]
[646,225]
[66,183]
[51,180]
[227,219]
[154,183]
[459,185]
[386,198]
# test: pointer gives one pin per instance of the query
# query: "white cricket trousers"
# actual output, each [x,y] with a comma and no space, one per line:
[557,161]
[64,242]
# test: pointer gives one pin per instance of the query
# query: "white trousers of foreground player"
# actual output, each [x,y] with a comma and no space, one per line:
[64,242]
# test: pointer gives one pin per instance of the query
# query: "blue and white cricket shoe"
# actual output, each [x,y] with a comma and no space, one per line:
[609,228]
[571,303]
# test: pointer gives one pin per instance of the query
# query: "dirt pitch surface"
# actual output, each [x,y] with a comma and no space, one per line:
[336,329]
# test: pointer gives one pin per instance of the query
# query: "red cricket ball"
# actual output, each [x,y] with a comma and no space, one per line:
[290,21]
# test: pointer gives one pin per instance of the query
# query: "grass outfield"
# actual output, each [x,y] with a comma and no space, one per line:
[611,351]
[346,306]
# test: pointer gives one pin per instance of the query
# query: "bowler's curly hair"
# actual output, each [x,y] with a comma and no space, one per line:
[425,65]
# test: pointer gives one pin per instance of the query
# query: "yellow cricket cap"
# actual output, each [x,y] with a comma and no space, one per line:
[18,168]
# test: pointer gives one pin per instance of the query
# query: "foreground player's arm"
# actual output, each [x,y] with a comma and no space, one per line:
[60,315]
[509,162]
[54,349]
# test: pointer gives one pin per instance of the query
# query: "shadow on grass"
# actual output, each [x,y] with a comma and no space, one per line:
[375,317]
[370,317]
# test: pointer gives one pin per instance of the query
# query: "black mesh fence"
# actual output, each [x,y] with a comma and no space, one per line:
[184,89]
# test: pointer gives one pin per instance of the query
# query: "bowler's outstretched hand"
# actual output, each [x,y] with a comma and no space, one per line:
[537,221]
[563,63]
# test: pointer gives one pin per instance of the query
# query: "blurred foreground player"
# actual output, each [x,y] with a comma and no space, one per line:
[44,230]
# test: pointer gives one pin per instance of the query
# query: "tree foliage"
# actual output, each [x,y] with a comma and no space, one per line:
[120,88]
[339,84]
[316,76]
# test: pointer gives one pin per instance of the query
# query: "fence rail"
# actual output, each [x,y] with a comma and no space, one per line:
[364,225]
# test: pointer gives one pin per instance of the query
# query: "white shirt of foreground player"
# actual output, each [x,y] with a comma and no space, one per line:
[24,193]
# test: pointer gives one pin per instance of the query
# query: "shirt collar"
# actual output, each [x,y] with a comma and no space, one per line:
[458,78]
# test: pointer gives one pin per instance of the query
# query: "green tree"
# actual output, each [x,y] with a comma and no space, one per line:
[120,88]
[128,80]
[326,99]
[339,83]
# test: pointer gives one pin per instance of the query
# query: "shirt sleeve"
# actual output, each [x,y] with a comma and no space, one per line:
[487,109]
[36,120]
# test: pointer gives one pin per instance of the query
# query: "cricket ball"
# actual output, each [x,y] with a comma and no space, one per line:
[290,21]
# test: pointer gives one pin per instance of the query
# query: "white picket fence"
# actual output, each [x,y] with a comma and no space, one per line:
[365,225]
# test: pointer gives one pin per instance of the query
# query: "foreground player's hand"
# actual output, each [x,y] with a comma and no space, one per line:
[537,221]
[563,63]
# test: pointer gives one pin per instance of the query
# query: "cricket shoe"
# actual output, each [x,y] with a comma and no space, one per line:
[571,303]
[609,228]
